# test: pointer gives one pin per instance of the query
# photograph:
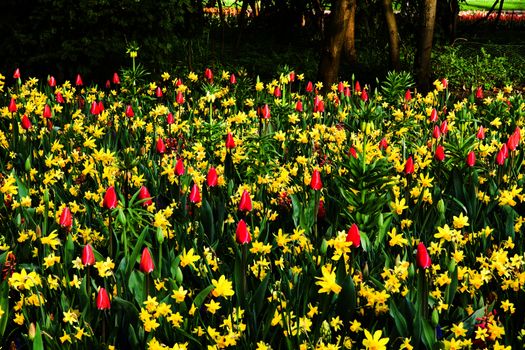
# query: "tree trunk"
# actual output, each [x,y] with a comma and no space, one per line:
[424,45]
[328,70]
[349,44]
[393,34]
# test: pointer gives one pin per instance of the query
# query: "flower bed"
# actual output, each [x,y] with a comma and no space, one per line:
[215,210]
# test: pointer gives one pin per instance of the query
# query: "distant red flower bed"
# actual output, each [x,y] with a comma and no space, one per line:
[514,17]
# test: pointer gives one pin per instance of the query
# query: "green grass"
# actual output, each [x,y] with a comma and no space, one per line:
[485,5]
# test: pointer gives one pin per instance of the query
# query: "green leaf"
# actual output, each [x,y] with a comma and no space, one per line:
[259,296]
[428,335]
[4,305]
[297,210]
[399,319]
[199,299]
[136,286]
[208,221]
[136,251]
[347,300]
[38,344]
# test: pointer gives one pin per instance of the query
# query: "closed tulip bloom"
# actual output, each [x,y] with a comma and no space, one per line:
[78,80]
[25,122]
[480,135]
[233,79]
[265,112]
[94,108]
[291,76]
[180,98]
[129,111]
[383,144]
[309,87]
[103,302]
[169,118]
[433,116]
[501,156]
[479,93]
[444,82]
[357,86]
[354,236]
[242,235]
[277,92]
[100,107]
[347,92]
[110,198]
[158,92]
[161,147]
[408,95]
[12,106]
[66,219]
[409,166]
[208,74]
[211,177]
[146,262]
[437,132]
[59,98]
[47,112]
[299,106]
[340,87]
[116,79]
[422,257]
[108,84]
[319,107]
[52,81]
[88,257]
[444,127]
[195,195]
[16,74]
[471,159]
[316,183]
[364,96]
[145,195]
[230,142]
[179,167]
[440,153]
[246,202]
[352,152]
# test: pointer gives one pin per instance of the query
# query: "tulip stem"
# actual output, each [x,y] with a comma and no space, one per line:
[110,235]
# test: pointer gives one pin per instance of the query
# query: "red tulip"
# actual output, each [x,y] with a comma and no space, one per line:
[433,116]
[422,258]
[309,87]
[352,152]
[66,219]
[195,195]
[347,92]
[16,74]
[78,80]
[440,153]
[88,257]
[94,108]
[316,183]
[364,96]
[59,98]
[178,82]
[158,92]
[471,159]
[161,147]
[246,202]
[265,112]
[357,87]
[479,93]
[444,127]
[180,98]
[437,132]
[110,198]
[230,142]
[319,107]
[26,123]
[321,211]
[409,166]
[12,106]
[502,155]
[383,144]
[211,178]
[233,79]
[514,140]
[100,107]
[116,79]
[277,92]
[340,87]
[408,95]
[103,302]
[444,82]
[47,112]
[299,106]
[145,195]
[292,77]
[108,84]
[480,135]
[146,262]
[179,167]
[52,81]
[169,119]
[129,111]
[208,74]
[242,235]
[354,236]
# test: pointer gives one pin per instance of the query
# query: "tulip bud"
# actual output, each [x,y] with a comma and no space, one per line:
[59,98]
[52,81]
[110,198]
[440,153]
[340,87]
[116,79]
[408,95]
[277,92]
[299,106]
[94,108]
[324,247]
[309,87]
[161,147]
[12,106]
[422,257]
[233,79]
[315,183]
[230,142]
[66,219]
[354,236]
[208,75]
[433,116]
[444,82]
[158,92]
[242,235]
[480,135]
[179,167]
[444,127]
[129,111]
[479,93]
[108,84]
[145,195]
[16,74]
[471,159]
[357,86]
[195,195]
[383,144]
[246,202]
[211,178]
[437,132]
[25,122]
[180,98]
[291,76]
[265,112]
[347,92]
[102,301]
[146,262]
[364,96]
[88,257]
[31,332]
[409,166]
[47,112]
[78,80]
[501,156]
[169,119]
